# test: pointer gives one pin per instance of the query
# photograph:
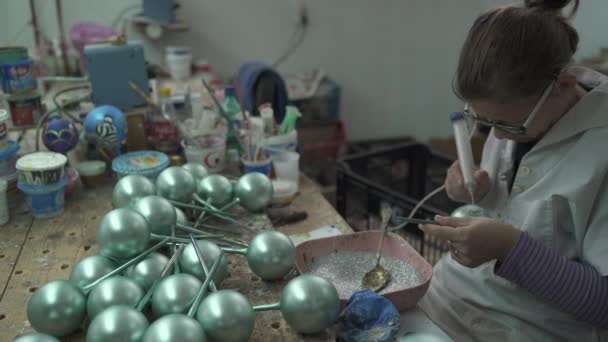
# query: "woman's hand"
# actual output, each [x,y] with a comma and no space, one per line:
[454,184]
[474,240]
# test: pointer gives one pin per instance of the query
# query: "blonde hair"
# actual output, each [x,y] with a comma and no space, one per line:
[516,51]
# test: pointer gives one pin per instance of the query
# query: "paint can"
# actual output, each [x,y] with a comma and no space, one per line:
[17,78]
[46,200]
[41,168]
[146,163]
[9,54]
[8,158]
[25,109]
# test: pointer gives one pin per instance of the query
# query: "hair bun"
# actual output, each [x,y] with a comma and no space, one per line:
[552,5]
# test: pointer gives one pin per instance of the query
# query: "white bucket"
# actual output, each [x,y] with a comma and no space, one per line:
[179,63]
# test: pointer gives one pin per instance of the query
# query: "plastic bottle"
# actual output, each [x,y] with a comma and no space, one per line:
[463,147]
[233,110]
[162,131]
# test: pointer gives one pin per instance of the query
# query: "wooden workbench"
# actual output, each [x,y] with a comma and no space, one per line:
[33,252]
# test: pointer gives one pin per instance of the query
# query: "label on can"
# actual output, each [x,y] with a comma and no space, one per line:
[163,130]
[18,77]
[25,112]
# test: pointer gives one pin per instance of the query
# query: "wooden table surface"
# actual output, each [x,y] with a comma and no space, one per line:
[33,252]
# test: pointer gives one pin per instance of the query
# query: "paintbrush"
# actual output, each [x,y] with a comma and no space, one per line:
[141,93]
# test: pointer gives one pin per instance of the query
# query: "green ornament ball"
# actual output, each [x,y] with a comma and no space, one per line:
[190,264]
[176,183]
[131,188]
[226,316]
[310,304]
[35,337]
[147,271]
[175,294]
[158,212]
[198,171]
[217,189]
[117,323]
[469,210]
[254,191]
[58,308]
[122,234]
[181,217]
[91,268]
[271,255]
[173,328]
[117,290]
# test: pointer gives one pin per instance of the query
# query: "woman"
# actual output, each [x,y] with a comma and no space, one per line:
[538,270]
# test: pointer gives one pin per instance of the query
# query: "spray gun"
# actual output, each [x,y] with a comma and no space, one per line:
[465,154]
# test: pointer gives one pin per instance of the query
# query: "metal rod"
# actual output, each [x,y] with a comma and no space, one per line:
[242,251]
[196,231]
[267,307]
[146,299]
[201,293]
[199,254]
[407,221]
[126,265]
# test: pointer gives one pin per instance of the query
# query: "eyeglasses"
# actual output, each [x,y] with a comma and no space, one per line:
[470,114]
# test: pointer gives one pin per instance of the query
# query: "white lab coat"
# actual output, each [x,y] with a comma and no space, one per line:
[559,197]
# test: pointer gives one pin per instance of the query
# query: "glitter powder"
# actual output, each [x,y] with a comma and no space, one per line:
[346,269]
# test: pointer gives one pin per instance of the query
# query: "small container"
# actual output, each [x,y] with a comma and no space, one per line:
[284,192]
[41,168]
[25,109]
[8,158]
[179,62]
[261,166]
[92,172]
[4,214]
[287,166]
[13,194]
[146,163]
[46,200]
[4,121]
[18,77]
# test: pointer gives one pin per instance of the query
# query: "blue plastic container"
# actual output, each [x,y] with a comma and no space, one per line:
[262,166]
[146,163]
[45,201]
[17,77]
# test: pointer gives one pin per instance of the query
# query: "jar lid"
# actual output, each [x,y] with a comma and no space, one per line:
[91,168]
[41,161]
[140,162]
[10,150]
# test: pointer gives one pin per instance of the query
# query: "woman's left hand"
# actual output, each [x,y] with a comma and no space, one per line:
[474,240]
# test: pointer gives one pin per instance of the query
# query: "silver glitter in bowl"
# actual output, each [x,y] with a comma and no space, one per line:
[346,269]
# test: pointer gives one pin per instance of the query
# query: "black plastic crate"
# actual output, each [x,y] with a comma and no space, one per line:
[399,176]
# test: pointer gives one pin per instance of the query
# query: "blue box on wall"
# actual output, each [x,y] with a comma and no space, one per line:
[111,68]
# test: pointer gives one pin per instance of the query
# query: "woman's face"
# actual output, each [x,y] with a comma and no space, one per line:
[515,113]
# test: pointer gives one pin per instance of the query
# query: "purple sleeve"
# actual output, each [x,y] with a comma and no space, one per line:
[574,287]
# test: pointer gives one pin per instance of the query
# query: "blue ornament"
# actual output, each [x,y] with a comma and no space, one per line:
[106,126]
[60,135]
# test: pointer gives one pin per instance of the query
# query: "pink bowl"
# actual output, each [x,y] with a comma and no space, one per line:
[393,246]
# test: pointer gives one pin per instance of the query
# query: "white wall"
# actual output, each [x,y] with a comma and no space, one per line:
[394,59]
